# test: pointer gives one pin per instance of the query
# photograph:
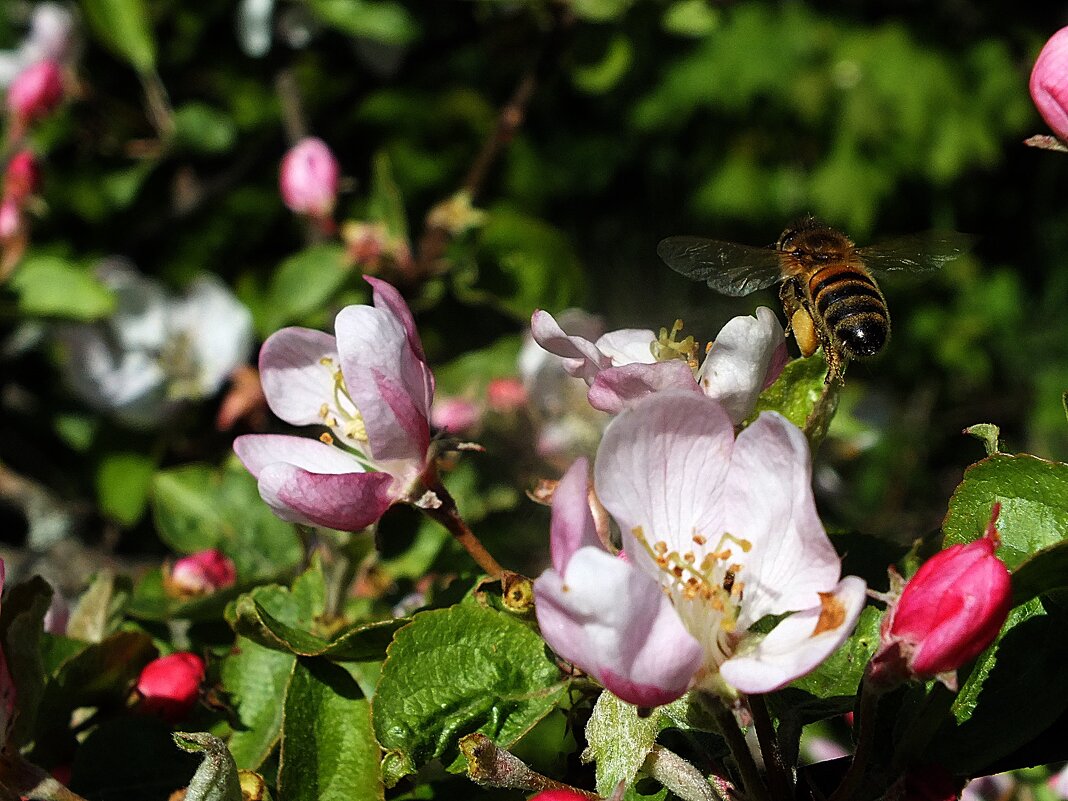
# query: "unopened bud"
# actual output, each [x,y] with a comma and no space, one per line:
[947,613]
[201,573]
[1049,83]
[506,394]
[454,415]
[169,686]
[21,177]
[35,92]
[308,178]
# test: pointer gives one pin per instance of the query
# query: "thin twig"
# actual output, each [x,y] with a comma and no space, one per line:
[679,776]
[755,789]
[491,766]
[869,703]
[780,782]
[448,515]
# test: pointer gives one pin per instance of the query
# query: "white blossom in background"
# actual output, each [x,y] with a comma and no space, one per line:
[50,37]
[156,351]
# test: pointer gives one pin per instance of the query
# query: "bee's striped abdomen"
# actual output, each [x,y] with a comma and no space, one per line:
[852,308]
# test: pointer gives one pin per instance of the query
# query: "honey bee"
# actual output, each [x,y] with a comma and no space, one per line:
[827,287]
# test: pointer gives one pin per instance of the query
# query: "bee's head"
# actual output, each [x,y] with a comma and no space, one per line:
[813,239]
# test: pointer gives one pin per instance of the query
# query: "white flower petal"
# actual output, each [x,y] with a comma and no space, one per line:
[628,346]
[296,370]
[736,368]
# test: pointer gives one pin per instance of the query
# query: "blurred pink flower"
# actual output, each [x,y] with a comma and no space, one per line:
[946,615]
[169,686]
[506,394]
[11,220]
[308,178]
[21,177]
[201,573]
[718,533]
[621,366]
[1049,83]
[35,92]
[455,415]
[372,387]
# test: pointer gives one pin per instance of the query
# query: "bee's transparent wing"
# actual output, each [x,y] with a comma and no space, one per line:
[726,267]
[916,253]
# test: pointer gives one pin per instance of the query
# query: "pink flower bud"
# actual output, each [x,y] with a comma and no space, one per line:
[560,795]
[454,415]
[948,612]
[10,218]
[21,176]
[169,686]
[201,573]
[308,178]
[1049,83]
[506,394]
[36,91]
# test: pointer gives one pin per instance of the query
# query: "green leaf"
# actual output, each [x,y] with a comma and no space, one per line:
[197,507]
[123,481]
[203,129]
[1033,494]
[1013,693]
[49,286]
[124,28]
[1044,572]
[302,284]
[387,22]
[694,18]
[328,746]
[100,609]
[796,393]
[256,679]
[22,628]
[454,671]
[619,740]
[361,643]
[386,204]
[603,76]
[216,778]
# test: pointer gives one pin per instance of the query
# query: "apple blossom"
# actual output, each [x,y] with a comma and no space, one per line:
[169,686]
[623,366]
[51,36]
[308,178]
[946,614]
[201,573]
[1049,83]
[718,532]
[156,351]
[372,387]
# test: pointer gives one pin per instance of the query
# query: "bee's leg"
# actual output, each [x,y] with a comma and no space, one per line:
[798,320]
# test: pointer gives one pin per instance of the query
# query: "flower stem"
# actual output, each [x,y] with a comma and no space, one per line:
[446,513]
[755,789]
[780,782]
[679,776]
[869,702]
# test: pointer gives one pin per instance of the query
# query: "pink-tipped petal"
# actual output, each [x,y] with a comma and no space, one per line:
[617,387]
[736,368]
[581,358]
[572,524]
[257,451]
[345,501]
[296,370]
[768,501]
[660,469]
[386,296]
[613,622]
[799,643]
[390,385]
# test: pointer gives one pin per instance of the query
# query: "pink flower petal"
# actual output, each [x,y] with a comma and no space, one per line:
[736,368]
[345,501]
[628,346]
[660,468]
[616,387]
[581,357]
[768,501]
[256,451]
[612,621]
[295,380]
[794,648]
[386,296]
[572,524]
[388,380]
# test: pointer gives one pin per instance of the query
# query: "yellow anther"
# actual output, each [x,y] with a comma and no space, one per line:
[325,437]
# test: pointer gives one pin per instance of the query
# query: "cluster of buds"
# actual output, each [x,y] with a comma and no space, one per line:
[945,615]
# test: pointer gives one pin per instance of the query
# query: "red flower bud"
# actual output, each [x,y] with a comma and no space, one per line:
[35,92]
[948,612]
[308,178]
[21,176]
[169,686]
[201,573]
[1049,83]
[560,795]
